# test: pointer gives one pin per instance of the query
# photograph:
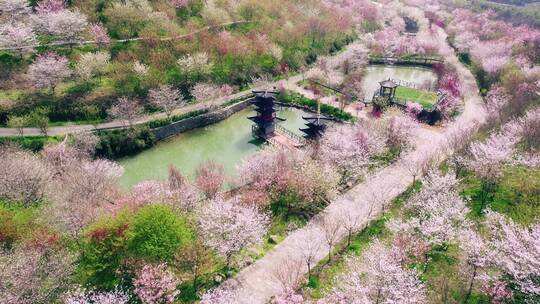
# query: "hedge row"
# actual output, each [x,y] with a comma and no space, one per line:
[299,100]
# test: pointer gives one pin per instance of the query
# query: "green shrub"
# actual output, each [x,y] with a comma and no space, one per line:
[16,223]
[32,143]
[157,233]
[103,250]
[114,144]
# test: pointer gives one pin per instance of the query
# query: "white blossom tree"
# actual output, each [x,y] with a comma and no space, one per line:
[377,277]
[126,110]
[517,251]
[24,177]
[167,98]
[90,65]
[350,147]
[228,227]
[35,274]
[18,36]
[48,70]
[14,9]
[155,284]
[438,211]
[63,24]
[476,256]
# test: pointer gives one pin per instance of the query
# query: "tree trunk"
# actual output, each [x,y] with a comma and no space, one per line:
[329,253]
[470,285]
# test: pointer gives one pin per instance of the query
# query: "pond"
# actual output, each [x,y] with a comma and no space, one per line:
[226,142]
[376,73]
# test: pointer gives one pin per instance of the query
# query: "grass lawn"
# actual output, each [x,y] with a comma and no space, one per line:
[425,98]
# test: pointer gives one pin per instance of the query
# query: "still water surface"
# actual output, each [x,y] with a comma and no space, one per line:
[376,73]
[226,142]
[229,141]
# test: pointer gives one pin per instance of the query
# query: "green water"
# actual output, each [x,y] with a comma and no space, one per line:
[226,142]
[377,73]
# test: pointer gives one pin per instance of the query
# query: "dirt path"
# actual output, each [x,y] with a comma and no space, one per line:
[367,200]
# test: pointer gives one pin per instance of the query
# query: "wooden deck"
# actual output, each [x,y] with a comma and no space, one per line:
[281,139]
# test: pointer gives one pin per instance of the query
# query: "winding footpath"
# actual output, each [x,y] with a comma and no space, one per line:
[119,124]
[259,283]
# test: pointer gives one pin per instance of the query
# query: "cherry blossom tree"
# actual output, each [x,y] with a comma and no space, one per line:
[227,293]
[92,64]
[209,178]
[155,284]
[477,256]
[14,9]
[99,34]
[205,91]
[517,251]
[197,62]
[167,98]
[81,296]
[497,291]
[350,147]
[487,160]
[182,191]
[228,227]
[18,36]
[351,222]
[48,6]
[84,144]
[64,24]
[331,226]
[126,110]
[34,274]
[377,277]
[48,70]
[23,176]
[309,246]
[179,3]
[399,131]
[438,211]
[288,297]
[140,68]
[413,108]
[271,174]
[82,191]
[290,274]
[457,140]
[177,193]
[530,129]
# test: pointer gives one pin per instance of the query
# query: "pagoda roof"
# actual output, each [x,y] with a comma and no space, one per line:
[314,118]
[388,84]
[258,120]
[265,94]
[265,110]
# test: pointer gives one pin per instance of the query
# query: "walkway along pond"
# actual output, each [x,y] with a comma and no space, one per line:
[226,142]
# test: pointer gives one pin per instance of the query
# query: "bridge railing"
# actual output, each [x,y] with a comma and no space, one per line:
[411,60]
[290,134]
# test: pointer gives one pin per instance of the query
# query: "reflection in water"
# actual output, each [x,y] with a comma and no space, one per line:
[226,142]
[377,73]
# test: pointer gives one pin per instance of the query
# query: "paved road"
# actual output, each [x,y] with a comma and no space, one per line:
[114,124]
[258,282]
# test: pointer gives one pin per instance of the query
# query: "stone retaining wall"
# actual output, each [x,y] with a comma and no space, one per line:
[198,121]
